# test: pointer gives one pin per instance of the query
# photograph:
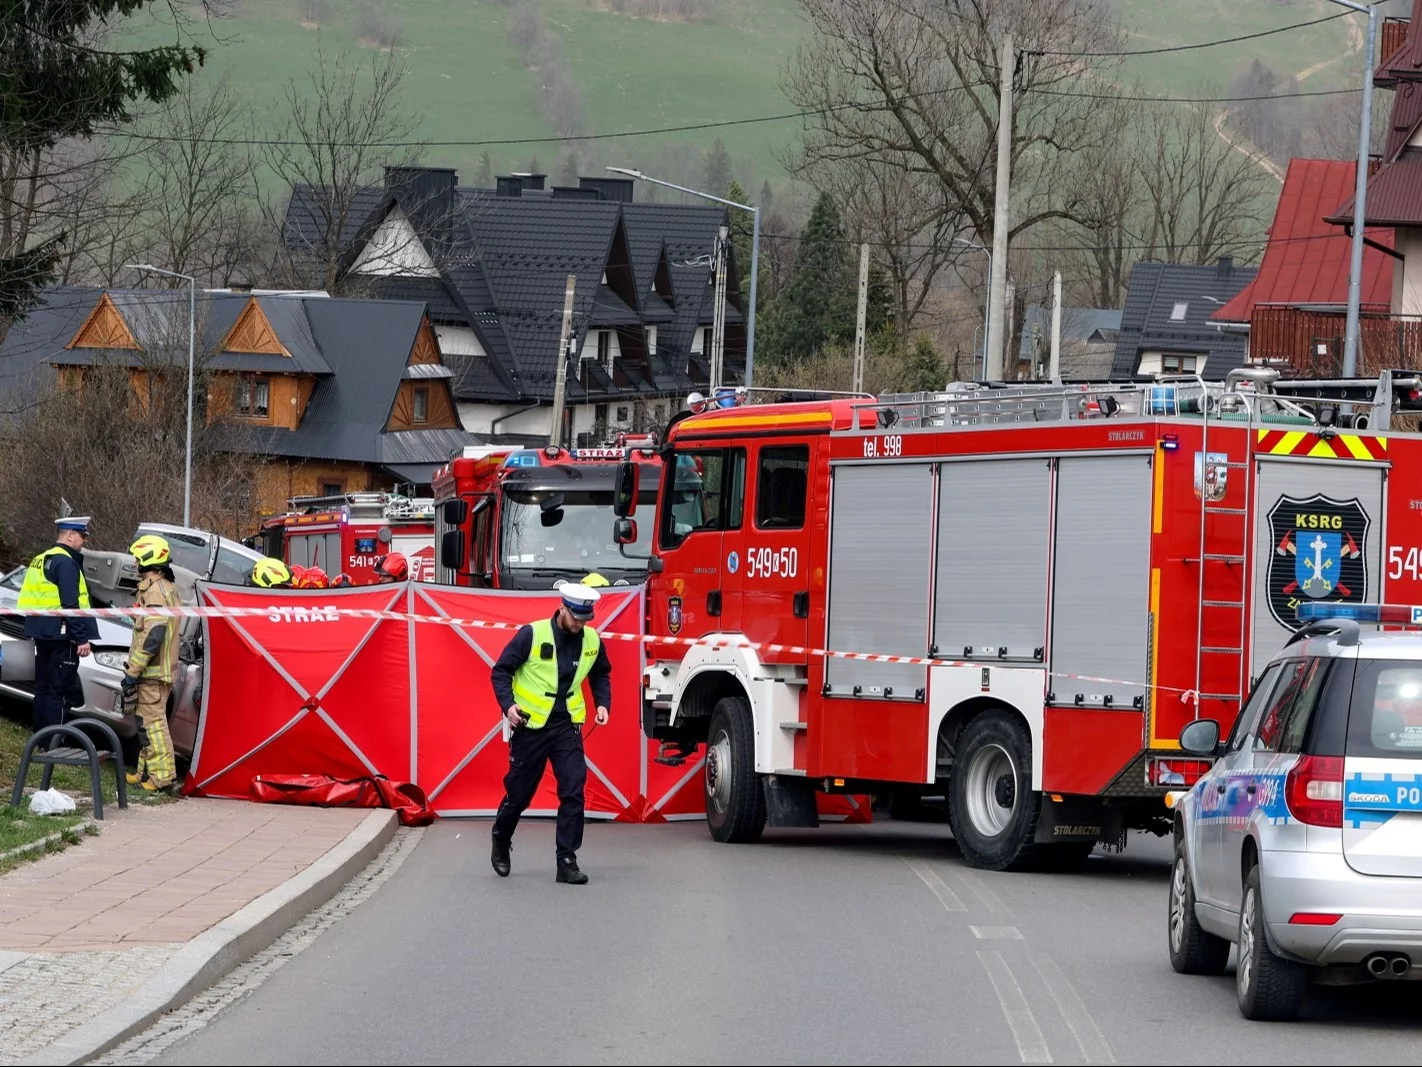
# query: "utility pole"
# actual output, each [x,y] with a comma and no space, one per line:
[859,317]
[996,344]
[555,432]
[1056,366]
[718,322]
[1008,314]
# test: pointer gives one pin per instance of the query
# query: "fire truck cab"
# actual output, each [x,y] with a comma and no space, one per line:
[1015,596]
[349,533]
[530,517]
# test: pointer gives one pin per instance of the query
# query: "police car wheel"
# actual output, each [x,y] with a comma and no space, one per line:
[1270,987]
[992,806]
[735,798]
[1193,950]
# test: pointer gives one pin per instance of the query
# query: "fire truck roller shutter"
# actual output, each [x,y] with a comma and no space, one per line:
[881,532]
[299,550]
[1311,514]
[991,586]
[1101,592]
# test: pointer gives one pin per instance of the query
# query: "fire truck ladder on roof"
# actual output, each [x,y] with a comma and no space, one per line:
[1234,562]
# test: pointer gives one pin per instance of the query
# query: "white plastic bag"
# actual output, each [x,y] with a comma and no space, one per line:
[51,802]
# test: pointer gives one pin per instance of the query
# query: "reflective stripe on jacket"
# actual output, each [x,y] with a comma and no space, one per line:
[535,683]
[38,592]
[154,650]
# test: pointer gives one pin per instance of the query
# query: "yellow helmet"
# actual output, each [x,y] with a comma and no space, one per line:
[595,581]
[269,573]
[151,550]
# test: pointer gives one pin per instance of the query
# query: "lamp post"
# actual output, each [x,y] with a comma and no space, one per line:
[755,251]
[192,337]
[1360,193]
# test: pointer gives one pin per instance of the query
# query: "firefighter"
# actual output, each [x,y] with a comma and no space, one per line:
[55,579]
[392,568]
[270,573]
[342,581]
[152,661]
[538,681]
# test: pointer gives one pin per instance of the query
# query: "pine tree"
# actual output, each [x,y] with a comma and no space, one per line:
[484,173]
[818,305]
[718,171]
[55,85]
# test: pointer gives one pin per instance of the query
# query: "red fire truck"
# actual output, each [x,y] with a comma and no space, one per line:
[349,533]
[527,518]
[1013,596]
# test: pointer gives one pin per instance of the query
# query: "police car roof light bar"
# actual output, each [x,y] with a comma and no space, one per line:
[1387,614]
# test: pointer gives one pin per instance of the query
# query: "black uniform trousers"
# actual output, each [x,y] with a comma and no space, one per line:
[530,751]
[56,682]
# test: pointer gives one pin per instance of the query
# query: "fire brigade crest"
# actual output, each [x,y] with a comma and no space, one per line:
[1211,475]
[1317,554]
[674,614]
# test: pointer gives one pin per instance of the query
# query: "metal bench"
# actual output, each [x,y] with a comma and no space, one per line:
[82,754]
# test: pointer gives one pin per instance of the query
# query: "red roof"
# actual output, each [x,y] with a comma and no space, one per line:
[1306,260]
[1394,194]
[1405,63]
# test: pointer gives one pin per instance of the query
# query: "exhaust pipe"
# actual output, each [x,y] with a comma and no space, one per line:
[1389,965]
[1377,966]
[1400,966]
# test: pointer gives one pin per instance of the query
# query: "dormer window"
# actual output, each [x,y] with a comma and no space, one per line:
[254,398]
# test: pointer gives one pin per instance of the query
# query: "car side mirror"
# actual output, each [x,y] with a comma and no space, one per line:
[1201,737]
[455,512]
[451,550]
[624,490]
[624,531]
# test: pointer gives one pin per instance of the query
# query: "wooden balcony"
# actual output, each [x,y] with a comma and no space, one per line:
[1312,341]
[1394,33]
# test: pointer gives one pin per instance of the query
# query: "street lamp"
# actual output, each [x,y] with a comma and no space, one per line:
[987,297]
[192,335]
[1360,193]
[755,251]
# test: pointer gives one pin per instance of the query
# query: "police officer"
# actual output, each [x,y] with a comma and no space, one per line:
[55,579]
[538,681]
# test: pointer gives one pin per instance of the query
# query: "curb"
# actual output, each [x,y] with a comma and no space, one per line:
[218,950]
[81,828]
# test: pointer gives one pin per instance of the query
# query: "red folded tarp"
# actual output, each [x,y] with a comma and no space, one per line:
[322,791]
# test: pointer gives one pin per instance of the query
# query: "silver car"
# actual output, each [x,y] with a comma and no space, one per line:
[1302,845]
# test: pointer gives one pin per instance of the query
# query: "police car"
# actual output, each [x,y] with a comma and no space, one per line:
[1302,845]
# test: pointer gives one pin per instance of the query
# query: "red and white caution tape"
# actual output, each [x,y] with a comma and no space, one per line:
[331,613]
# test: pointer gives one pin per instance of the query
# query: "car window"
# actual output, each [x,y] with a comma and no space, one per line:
[232,567]
[781,482]
[189,552]
[1295,720]
[1385,714]
[1271,723]
[15,579]
[1254,707]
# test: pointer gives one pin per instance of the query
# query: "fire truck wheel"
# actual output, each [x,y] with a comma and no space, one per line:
[992,806]
[735,801]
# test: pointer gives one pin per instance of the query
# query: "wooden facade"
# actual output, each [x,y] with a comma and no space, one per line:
[1311,341]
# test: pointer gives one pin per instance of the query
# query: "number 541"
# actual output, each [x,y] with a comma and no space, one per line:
[1402,562]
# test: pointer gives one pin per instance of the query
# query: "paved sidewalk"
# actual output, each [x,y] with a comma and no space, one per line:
[99,939]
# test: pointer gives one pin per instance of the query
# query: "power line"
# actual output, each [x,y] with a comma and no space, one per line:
[1193,47]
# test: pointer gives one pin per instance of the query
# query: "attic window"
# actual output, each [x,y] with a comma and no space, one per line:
[253,398]
[1177,313]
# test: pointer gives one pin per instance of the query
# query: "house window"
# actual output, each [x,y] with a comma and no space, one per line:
[253,398]
[659,412]
[422,406]
[599,423]
[622,414]
[706,342]
[604,347]
[1177,313]
[1177,364]
[652,340]
[333,488]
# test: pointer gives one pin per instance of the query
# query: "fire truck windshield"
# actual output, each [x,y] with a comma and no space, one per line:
[580,537]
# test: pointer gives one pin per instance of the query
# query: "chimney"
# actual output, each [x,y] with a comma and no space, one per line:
[619,189]
[533,181]
[1226,266]
[508,185]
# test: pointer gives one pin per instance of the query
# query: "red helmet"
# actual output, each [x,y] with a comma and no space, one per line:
[393,566]
[298,575]
[342,580]
[312,578]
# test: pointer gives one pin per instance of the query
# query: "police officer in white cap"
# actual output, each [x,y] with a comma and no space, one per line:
[55,579]
[538,682]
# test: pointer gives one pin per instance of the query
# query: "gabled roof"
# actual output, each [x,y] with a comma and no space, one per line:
[1078,324]
[1394,194]
[1306,260]
[1168,308]
[1405,63]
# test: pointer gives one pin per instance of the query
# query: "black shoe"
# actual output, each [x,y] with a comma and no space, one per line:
[500,858]
[569,873]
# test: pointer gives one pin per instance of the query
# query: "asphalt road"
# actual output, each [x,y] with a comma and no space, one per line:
[864,944]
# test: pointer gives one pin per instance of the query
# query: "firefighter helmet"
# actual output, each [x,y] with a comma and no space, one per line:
[393,566]
[595,581]
[270,573]
[312,578]
[151,552]
[342,580]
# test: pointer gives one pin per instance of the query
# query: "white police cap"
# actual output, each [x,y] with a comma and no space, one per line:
[579,600]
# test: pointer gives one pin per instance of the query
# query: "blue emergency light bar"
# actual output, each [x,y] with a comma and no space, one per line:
[1395,614]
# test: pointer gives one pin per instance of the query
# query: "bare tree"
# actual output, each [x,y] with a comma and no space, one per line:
[915,83]
[199,186]
[344,121]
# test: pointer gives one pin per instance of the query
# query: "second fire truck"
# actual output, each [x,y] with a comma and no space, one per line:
[349,533]
[527,518]
[1013,596]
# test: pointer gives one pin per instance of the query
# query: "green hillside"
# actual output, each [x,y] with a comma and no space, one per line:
[468,80]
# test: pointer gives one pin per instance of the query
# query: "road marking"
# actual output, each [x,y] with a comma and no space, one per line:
[1089,1038]
[949,899]
[1031,1045]
[996,933]
[990,900]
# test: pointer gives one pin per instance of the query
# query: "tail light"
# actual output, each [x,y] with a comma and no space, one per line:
[1178,772]
[1314,790]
